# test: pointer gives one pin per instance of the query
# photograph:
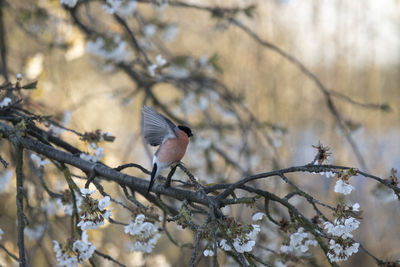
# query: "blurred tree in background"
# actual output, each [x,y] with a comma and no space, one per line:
[279,95]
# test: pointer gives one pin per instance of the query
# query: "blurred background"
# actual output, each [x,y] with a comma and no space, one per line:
[251,109]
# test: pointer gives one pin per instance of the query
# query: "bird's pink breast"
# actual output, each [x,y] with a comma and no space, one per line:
[173,150]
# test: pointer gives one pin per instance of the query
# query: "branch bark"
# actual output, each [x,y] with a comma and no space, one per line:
[139,184]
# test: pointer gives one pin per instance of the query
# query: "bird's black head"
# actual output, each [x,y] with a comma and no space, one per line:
[186,130]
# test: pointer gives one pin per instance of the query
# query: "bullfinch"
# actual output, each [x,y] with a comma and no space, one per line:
[173,140]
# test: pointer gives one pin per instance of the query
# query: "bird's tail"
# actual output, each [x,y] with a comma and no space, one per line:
[154,174]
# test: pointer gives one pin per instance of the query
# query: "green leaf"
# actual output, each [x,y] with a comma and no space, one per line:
[249,11]
[385,107]
[352,172]
[214,62]
[32,85]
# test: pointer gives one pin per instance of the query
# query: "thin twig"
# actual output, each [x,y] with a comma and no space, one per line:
[108,257]
[20,204]
[316,81]
[197,243]
[5,164]
[3,47]
[9,253]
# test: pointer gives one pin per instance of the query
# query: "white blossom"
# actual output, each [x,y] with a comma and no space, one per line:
[335,251]
[149,30]
[101,139]
[278,263]
[224,245]
[203,60]
[299,242]
[86,224]
[356,207]
[258,216]
[19,76]
[343,227]
[117,52]
[80,251]
[203,144]
[277,142]
[225,113]
[93,212]
[69,208]
[141,227]
[286,249]
[341,231]
[297,238]
[145,233]
[160,5]
[152,69]
[170,32]
[205,63]
[254,232]
[84,248]
[249,242]
[5,102]
[123,8]
[242,246]
[243,243]
[351,224]
[203,103]
[334,230]
[189,104]
[104,202]
[51,207]
[178,72]
[85,192]
[39,162]
[106,67]
[56,130]
[339,253]
[66,117]
[107,214]
[343,187]
[95,155]
[208,253]
[35,233]
[64,259]
[352,249]
[69,3]
[328,174]
[5,179]
[384,194]
[144,246]
[160,60]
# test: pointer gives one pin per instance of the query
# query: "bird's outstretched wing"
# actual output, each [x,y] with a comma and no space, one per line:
[156,127]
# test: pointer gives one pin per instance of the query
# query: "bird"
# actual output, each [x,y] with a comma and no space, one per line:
[172,140]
